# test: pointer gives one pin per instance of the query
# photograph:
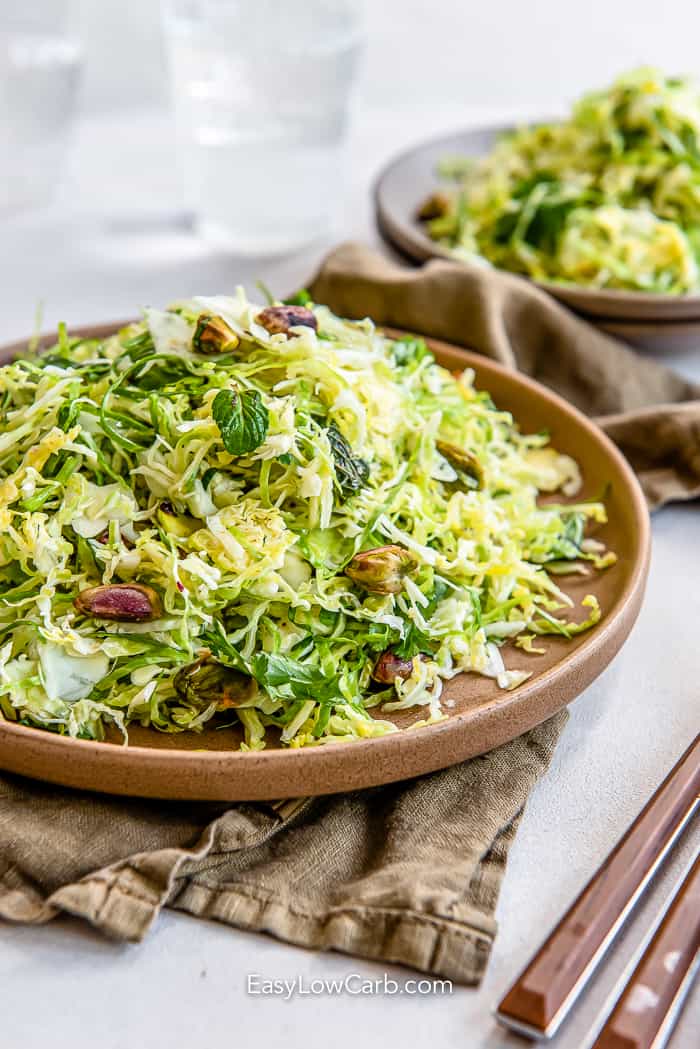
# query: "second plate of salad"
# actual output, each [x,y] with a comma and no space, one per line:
[601,208]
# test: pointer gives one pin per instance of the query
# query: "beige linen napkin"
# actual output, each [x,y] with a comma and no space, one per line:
[405,873]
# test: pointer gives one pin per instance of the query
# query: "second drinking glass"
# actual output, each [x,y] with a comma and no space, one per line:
[261,91]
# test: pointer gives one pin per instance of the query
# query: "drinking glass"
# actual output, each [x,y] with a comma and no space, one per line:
[39,71]
[261,90]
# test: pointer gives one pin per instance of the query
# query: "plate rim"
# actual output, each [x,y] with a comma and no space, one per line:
[569,676]
[413,243]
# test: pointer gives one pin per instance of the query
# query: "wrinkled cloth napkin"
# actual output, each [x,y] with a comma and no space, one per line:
[409,872]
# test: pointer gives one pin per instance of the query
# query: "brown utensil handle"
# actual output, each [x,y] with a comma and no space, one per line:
[650,1002]
[539,999]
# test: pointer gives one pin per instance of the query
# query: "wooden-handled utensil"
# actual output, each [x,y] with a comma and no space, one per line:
[546,990]
[650,1003]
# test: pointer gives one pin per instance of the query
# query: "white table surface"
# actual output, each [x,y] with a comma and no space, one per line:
[111,245]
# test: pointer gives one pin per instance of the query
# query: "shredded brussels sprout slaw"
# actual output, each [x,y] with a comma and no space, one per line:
[269,517]
[609,198]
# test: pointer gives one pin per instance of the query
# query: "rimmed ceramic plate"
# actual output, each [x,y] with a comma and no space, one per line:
[480,716]
[412,176]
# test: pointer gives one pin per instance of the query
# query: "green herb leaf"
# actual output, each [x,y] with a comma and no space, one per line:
[280,670]
[300,298]
[302,679]
[351,472]
[242,418]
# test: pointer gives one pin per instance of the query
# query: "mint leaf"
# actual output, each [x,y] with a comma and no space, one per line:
[242,418]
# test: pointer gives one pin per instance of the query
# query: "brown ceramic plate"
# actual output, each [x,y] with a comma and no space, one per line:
[412,176]
[206,765]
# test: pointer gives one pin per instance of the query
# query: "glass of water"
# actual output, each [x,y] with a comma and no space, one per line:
[261,91]
[39,71]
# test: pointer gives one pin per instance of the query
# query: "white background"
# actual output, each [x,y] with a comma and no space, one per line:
[539,52]
[104,251]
